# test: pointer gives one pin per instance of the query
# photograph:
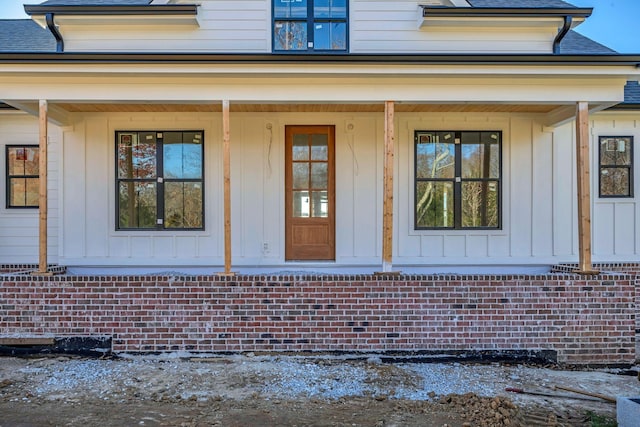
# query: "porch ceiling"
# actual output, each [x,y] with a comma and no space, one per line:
[305,108]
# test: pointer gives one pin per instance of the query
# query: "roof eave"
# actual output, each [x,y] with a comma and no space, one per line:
[505,11]
[382,59]
[173,9]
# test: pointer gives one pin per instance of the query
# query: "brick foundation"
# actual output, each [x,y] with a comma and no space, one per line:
[586,320]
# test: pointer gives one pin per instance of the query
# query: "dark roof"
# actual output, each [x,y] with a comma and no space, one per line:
[575,43]
[24,35]
[95,3]
[632,93]
[520,3]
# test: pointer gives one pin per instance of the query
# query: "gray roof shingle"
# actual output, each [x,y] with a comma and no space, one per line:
[520,3]
[632,93]
[95,3]
[575,43]
[24,35]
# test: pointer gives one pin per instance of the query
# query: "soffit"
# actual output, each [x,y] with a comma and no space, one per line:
[305,108]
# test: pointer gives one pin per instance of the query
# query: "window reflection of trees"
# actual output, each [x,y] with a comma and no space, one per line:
[177,200]
[457,176]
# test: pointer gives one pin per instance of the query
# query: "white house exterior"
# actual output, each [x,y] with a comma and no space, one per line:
[423,70]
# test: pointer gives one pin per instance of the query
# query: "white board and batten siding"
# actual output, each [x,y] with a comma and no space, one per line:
[90,236]
[616,220]
[19,233]
[375,26]
[538,187]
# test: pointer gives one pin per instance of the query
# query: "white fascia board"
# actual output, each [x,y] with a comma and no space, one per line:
[628,72]
[303,89]
[62,20]
[466,22]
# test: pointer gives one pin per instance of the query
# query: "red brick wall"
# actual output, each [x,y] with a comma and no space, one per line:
[585,319]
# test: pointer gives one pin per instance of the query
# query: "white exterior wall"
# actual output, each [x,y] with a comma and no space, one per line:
[616,220]
[538,189]
[236,26]
[381,26]
[19,227]
[222,26]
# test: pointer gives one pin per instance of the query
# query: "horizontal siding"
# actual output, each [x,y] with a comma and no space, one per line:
[385,27]
[245,26]
[224,26]
[19,234]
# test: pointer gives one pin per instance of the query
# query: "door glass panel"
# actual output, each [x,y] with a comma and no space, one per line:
[301,176]
[319,148]
[434,204]
[319,176]
[300,147]
[301,204]
[320,204]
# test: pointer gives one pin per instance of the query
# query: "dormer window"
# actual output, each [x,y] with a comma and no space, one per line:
[310,25]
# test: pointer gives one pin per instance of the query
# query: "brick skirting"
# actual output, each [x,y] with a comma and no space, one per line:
[584,319]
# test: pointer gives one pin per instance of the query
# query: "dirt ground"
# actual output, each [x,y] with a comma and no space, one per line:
[273,390]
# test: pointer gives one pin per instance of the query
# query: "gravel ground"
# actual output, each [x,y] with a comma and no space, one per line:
[274,386]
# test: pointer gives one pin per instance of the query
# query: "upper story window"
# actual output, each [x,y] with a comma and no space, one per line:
[457,179]
[159,183]
[23,182]
[616,166]
[310,25]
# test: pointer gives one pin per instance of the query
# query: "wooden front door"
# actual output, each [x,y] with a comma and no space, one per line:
[310,193]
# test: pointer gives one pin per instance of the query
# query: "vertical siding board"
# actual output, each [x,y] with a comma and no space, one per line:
[604,230]
[73,178]
[564,189]
[272,188]
[542,191]
[19,227]
[97,183]
[347,195]
[520,196]
[408,243]
[625,228]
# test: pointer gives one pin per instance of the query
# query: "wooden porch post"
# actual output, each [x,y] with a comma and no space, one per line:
[42,201]
[584,189]
[227,186]
[387,202]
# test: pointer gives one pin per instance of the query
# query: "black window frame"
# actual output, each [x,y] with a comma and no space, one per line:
[160,181]
[9,177]
[602,166]
[457,180]
[311,21]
